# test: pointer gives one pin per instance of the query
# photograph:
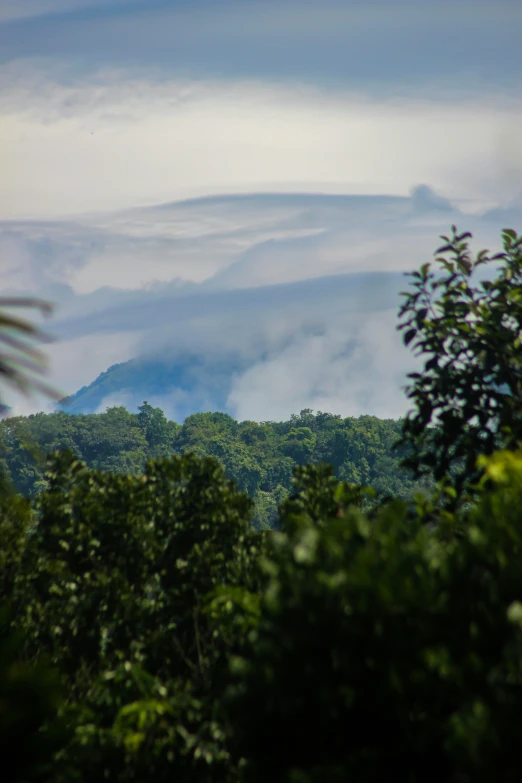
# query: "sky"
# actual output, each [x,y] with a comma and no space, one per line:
[160,158]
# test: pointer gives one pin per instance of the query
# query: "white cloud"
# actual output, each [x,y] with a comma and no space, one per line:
[116,400]
[114,141]
[356,366]
[275,310]
[223,243]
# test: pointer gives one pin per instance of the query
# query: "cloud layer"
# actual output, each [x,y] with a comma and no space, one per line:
[292,297]
[114,141]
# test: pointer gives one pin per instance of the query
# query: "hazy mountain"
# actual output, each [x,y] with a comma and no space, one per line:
[181,388]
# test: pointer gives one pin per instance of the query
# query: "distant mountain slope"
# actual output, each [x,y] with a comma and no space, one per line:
[182,388]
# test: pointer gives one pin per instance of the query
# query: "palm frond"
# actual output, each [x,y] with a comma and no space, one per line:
[22,362]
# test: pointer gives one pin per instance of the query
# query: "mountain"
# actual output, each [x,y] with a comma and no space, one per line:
[180,388]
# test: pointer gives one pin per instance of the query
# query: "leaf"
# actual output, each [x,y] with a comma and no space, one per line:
[408,337]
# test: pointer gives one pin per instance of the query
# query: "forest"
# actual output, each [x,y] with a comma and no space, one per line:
[259,458]
[309,601]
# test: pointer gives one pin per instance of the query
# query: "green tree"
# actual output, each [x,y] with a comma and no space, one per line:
[114,559]
[385,649]
[159,432]
[468,397]
[113,588]
[299,444]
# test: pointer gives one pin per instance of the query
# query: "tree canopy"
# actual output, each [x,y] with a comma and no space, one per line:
[468,328]
[259,458]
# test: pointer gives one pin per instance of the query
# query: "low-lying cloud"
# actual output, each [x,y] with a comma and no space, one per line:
[297,308]
[356,366]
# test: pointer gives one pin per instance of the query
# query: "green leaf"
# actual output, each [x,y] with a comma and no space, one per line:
[408,337]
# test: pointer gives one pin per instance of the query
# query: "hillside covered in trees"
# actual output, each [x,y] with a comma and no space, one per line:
[259,458]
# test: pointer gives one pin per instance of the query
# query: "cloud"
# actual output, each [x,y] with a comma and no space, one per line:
[113,141]
[223,243]
[116,400]
[355,366]
[347,361]
[300,288]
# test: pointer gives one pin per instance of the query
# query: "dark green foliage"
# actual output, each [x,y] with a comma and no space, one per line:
[386,650]
[30,696]
[15,524]
[118,565]
[259,458]
[159,432]
[340,646]
[113,588]
[468,330]
[113,441]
